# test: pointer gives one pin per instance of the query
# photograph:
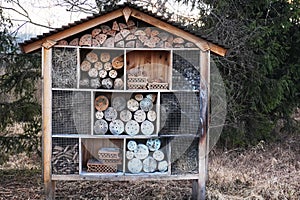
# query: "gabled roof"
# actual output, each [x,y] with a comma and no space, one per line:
[136,12]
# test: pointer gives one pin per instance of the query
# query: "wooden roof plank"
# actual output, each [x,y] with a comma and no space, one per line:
[73,30]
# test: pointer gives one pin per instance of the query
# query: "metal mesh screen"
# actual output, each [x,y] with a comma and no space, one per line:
[180,113]
[184,158]
[64,68]
[71,112]
[65,159]
[186,70]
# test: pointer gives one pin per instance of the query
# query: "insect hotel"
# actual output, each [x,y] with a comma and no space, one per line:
[125,98]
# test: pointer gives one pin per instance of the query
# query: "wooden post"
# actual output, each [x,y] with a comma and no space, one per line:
[49,185]
[198,187]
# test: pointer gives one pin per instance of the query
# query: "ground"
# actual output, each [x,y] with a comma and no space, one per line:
[266,171]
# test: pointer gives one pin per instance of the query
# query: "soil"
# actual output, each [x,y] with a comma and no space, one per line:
[266,171]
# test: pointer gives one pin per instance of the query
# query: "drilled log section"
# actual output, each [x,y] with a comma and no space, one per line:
[118,34]
[101,69]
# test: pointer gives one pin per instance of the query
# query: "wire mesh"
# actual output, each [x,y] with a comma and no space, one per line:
[185,160]
[65,156]
[180,113]
[186,70]
[64,68]
[71,112]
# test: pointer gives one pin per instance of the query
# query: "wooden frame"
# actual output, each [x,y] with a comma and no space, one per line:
[204,47]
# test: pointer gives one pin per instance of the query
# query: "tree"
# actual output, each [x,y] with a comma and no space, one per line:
[18,103]
[262,69]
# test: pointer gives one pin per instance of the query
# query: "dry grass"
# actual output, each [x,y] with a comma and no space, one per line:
[262,172]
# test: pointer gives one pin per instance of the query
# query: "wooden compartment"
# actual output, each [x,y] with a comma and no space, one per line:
[92,155]
[101,69]
[65,156]
[149,156]
[123,113]
[148,69]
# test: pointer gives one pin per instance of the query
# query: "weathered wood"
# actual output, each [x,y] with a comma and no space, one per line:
[120,44]
[122,26]
[74,42]
[110,42]
[127,12]
[118,37]
[63,42]
[115,26]
[131,37]
[124,32]
[96,32]
[105,28]
[49,185]
[111,33]
[130,44]
[101,38]
[86,40]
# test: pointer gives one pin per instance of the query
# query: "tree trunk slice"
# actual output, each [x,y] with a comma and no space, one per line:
[101,103]
[102,73]
[132,145]
[147,127]
[110,42]
[118,37]
[131,37]
[99,115]
[139,32]
[63,42]
[135,165]
[120,44]
[125,115]
[92,57]
[86,40]
[130,44]
[178,40]
[74,42]
[132,105]
[107,66]
[162,166]
[111,33]
[139,116]
[101,38]
[146,104]
[113,73]
[104,57]
[154,33]
[148,31]
[107,83]
[132,128]
[124,32]
[100,127]
[151,115]
[95,83]
[105,28]
[138,97]
[119,103]
[158,155]
[96,32]
[95,43]
[118,62]
[98,65]
[116,127]
[115,26]
[93,73]
[122,26]
[85,66]
[189,45]
[118,83]
[163,36]
[142,151]
[130,23]
[149,164]
[110,114]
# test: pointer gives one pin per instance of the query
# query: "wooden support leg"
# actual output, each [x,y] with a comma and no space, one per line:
[49,188]
[198,190]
